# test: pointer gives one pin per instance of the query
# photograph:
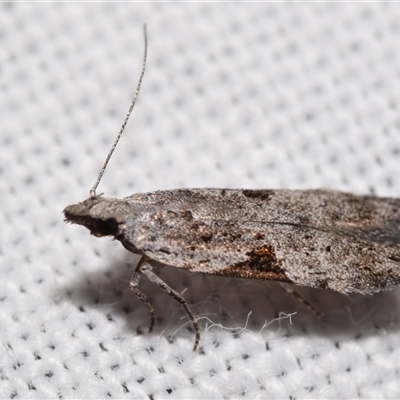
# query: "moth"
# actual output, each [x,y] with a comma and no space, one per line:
[317,238]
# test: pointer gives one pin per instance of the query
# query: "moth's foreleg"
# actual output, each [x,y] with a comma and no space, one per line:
[134,286]
[289,289]
[145,267]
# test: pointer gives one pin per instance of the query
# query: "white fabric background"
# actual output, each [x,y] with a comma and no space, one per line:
[245,95]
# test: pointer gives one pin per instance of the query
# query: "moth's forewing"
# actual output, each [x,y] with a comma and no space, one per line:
[321,239]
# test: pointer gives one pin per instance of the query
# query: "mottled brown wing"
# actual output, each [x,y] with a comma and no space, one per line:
[340,259]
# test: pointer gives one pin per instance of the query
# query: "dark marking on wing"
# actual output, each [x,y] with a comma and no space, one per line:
[258,194]
[262,263]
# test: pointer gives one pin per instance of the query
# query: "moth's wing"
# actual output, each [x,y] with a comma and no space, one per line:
[230,248]
[387,232]
[345,259]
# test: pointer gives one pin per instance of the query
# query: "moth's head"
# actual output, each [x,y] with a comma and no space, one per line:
[101,215]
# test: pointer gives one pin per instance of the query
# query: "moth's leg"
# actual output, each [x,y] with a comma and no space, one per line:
[289,289]
[134,286]
[147,269]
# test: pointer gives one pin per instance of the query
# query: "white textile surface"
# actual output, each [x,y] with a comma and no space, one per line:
[236,95]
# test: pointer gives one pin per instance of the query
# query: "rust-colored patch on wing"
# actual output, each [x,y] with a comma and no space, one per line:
[262,263]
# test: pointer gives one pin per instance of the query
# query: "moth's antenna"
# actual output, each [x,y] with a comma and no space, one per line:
[103,168]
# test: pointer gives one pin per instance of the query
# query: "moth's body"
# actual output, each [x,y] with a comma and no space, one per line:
[316,238]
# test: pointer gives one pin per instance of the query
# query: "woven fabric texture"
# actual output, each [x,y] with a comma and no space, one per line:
[236,95]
